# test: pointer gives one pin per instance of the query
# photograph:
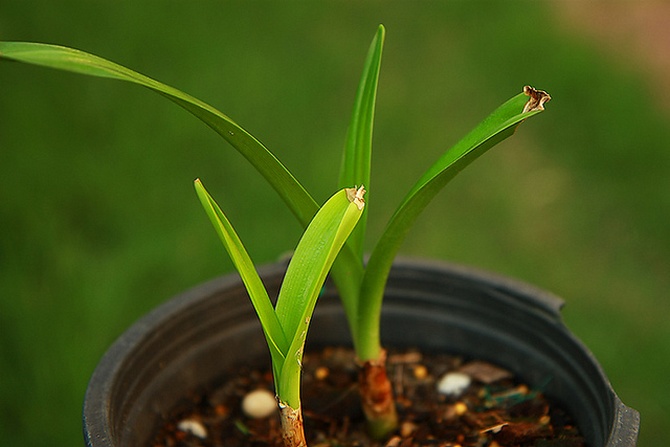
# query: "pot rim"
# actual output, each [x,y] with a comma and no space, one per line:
[624,422]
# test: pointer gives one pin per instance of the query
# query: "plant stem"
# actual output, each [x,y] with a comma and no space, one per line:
[293,430]
[377,397]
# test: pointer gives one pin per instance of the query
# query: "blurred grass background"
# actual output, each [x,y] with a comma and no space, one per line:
[99,222]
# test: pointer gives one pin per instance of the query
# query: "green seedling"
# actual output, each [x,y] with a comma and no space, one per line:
[285,324]
[361,285]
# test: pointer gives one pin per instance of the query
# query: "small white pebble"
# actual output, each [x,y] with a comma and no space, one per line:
[194,427]
[453,384]
[259,404]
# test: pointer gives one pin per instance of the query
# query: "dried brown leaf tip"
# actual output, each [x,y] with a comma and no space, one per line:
[536,99]
[355,195]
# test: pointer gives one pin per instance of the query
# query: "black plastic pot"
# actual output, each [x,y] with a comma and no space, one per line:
[185,344]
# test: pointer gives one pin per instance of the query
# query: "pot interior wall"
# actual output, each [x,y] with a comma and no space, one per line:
[197,335]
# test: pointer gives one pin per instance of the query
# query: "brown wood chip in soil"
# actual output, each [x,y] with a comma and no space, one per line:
[502,413]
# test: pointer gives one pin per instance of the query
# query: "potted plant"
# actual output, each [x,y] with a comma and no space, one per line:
[285,323]
[363,285]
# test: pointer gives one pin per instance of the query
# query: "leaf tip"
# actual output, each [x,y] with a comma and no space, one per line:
[536,100]
[355,196]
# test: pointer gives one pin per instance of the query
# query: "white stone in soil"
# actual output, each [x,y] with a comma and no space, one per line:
[194,427]
[259,404]
[453,384]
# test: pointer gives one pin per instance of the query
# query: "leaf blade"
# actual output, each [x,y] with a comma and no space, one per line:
[305,275]
[356,160]
[347,272]
[498,126]
[77,61]
[274,333]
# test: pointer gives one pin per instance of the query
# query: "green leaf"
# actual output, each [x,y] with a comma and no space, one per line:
[496,127]
[285,325]
[68,59]
[272,328]
[347,271]
[305,275]
[356,159]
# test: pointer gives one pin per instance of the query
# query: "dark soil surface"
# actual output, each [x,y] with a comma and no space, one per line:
[493,411]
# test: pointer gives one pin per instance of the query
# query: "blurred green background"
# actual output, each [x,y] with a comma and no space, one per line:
[99,221]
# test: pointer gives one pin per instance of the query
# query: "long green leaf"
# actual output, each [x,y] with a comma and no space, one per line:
[496,127]
[274,333]
[68,59]
[347,271]
[356,159]
[305,275]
